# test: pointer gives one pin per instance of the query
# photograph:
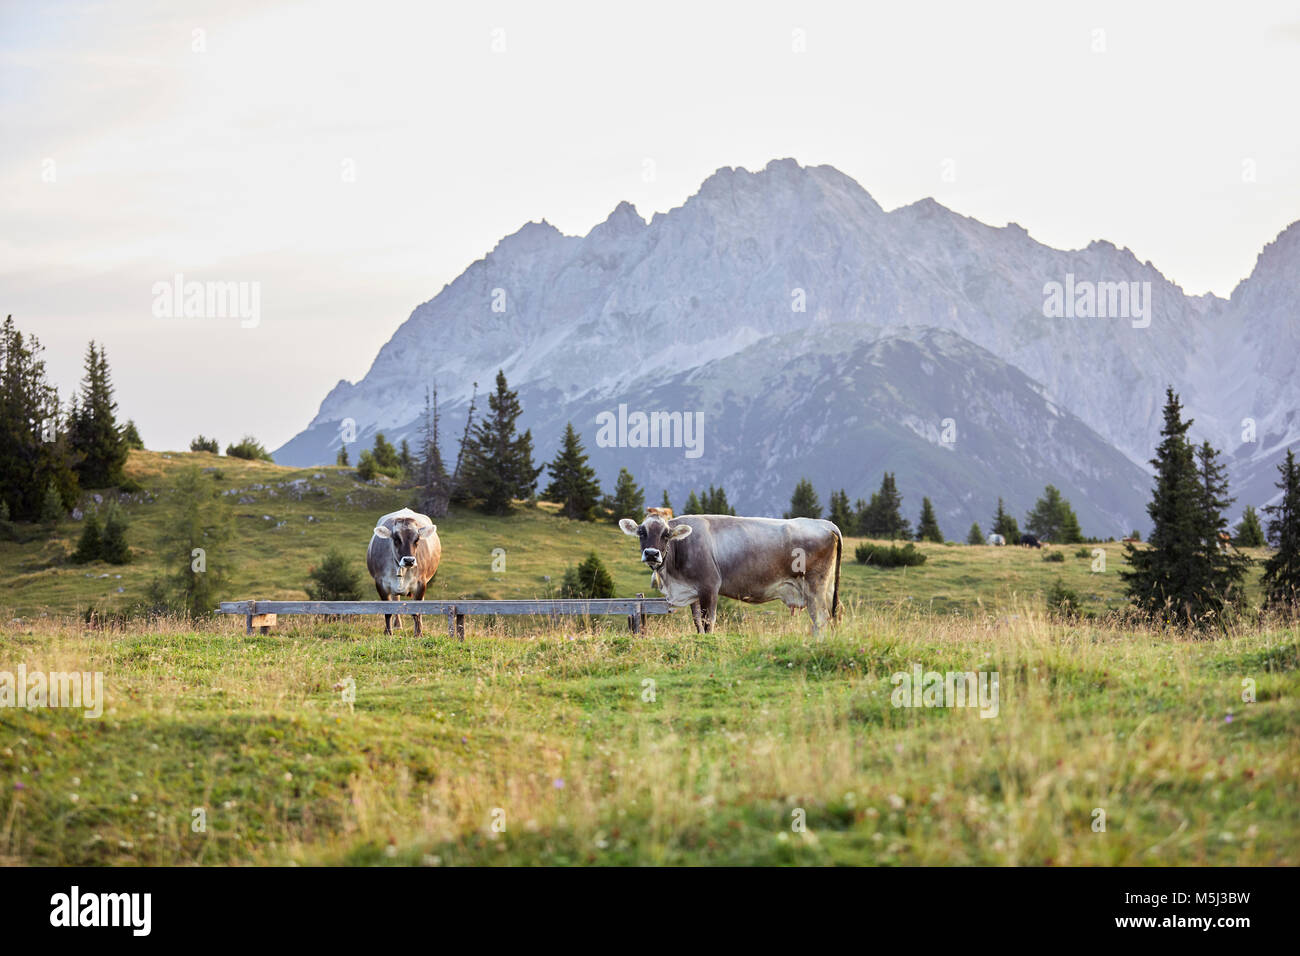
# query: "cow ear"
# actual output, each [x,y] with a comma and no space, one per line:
[425,532]
[681,531]
[382,532]
[628,526]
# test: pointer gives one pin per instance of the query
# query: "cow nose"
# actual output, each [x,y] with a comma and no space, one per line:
[650,554]
[407,562]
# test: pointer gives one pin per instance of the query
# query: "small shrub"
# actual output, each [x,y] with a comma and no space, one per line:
[205,444]
[1062,601]
[91,545]
[1083,553]
[889,556]
[588,580]
[250,449]
[334,580]
[1054,556]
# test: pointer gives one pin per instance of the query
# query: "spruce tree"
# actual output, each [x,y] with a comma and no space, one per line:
[927,528]
[628,500]
[589,580]
[1183,576]
[692,504]
[91,546]
[93,431]
[975,535]
[131,436]
[194,580]
[342,458]
[1052,518]
[1005,525]
[52,507]
[1281,581]
[804,503]
[1249,532]
[499,462]
[883,515]
[34,445]
[435,483]
[666,503]
[715,502]
[841,512]
[115,550]
[405,460]
[573,482]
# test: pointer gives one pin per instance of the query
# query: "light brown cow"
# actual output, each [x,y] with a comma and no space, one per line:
[665,513]
[403,557]
[696,558]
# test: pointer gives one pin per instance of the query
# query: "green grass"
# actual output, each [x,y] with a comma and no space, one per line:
[552,733]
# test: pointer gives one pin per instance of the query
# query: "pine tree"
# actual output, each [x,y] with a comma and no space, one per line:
[342,459]
[498,462]
[1281,579]
[804,503]
[628,500]
[115,550]
[194,579]
[714,502]
[841,512]
[131,436]
[975,535]
[34,446]
[405,460]
[573,482]
[52,507]
[589,580]
[883,516]
[1183,576]
[1005,525]
[387,461]
[334,579]
[1052,518]
[666,503]
[435,483]
[927,528]
[201,443]
[692,505]
[1249,532]
[248,449]
[90,547]
[93,430]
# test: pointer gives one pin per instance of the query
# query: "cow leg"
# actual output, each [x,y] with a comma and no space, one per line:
[418,596]
[695,616]
[709,610]
[388,618]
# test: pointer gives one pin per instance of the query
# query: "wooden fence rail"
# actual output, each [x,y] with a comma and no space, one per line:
[262,614]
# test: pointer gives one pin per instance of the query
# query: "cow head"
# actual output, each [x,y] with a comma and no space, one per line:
[405,537]
[655,535]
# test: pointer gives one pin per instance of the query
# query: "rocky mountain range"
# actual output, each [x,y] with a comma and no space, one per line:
[821,336]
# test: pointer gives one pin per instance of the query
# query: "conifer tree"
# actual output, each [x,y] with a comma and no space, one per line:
[1249,532]
[975,535]
[115,549]
[342,458]
[927,528]
[1005,525]
[573,482]
[804,503]
[692,504]
[841,512]
[666,503]
[131,436]
[93,429]
[1281,579]
[1052,518]
[90,547]
[191,542]
[498,461]
[628,500]
[883,515]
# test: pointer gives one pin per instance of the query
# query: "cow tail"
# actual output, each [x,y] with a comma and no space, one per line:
[835,596]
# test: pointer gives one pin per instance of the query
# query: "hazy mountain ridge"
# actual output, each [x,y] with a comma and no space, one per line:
[591,321]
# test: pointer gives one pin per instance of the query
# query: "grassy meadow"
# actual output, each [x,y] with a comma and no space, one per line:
[581,744]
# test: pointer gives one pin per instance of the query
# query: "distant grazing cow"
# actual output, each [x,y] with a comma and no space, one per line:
[1029,541]
[997,540]
[665,513]
[403,557]
[696,558]
[1225,541]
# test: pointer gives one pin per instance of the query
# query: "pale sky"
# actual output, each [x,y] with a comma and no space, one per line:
[134,148]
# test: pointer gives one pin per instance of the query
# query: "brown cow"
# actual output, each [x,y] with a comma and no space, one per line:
[665,513]
[403,557]
[696,558]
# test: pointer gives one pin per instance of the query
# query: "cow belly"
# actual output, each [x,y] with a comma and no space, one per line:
[678,593]
[790,592]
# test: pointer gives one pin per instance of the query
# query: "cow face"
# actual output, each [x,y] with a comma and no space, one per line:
[655,535]
[405,538]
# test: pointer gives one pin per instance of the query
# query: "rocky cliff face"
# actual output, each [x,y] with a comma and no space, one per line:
[762,277]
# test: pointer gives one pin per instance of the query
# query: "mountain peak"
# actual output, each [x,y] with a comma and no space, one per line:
[623,221]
